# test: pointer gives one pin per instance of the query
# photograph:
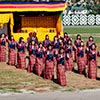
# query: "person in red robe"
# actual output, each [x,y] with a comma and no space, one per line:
[29,38]
[46,42]
[35,37]
[3,40]
[61,43]
[40,60]
[61,76]
[88,46]
[77,43]
[32,56]
[21,59]
[55,48]
[66,37]
[49,66]
[92,62]
[81,58]
[69,62]
[12,51]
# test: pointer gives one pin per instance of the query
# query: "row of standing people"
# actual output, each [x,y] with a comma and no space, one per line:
[46,55]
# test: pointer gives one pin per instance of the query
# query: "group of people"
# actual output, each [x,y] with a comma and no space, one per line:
[45,56]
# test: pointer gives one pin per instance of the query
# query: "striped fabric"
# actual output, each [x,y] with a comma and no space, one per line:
[21,62]
[49,70]
[81,64]
[92,69]
[61,77]
[12,57]
[69,64]
[2,54]
[31,6]
[32,61]
[39,67]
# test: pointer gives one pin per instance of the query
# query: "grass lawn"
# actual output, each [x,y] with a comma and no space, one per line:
[15,79]
[77,30]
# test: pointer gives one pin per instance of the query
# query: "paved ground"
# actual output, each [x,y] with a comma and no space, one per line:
[76,95]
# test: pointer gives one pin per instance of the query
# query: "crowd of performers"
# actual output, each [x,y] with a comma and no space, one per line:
[45,56]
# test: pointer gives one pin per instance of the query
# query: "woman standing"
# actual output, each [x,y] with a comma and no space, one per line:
[66,38]
[3,48]
[40,60]
[32,56]
[81,58]
[61,76]
[46,42]
[21,61]
[49,67]
[69,63]
[92,63]
[88,46]
[77,44]
[55,48]
[12,51]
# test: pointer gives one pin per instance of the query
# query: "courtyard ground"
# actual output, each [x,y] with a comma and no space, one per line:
[12,79]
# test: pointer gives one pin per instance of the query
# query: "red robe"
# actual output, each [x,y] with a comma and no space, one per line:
[92,64]
[77,44]
[49,67]
[12,52]
[21,60]
[32,58]
[3,50]
[69,63]
[61,76]
[81,59]
[39,66]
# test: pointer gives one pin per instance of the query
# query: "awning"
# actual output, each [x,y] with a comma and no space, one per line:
[32,6]
[4,18]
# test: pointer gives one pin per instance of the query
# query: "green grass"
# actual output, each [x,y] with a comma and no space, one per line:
[3,90]
[77,30]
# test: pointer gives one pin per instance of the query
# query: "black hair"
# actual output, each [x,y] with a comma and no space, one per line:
[49,46]
[78,36]
[60,49]
[1,34]
[91,37]
[55,37]
[69,40]
[20,39]
[92,45]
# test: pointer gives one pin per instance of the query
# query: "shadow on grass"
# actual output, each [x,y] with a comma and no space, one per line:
[98,66]
[55,81]
[98,78]
[75,71]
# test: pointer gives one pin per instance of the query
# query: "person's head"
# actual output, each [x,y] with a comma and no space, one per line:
[21,39]
[55,38]
[61,50]
[90,38]
[2,35]
[49,47]
[40,45]
[32,42]
[93,46]
[30,34]
[65,34]
[12,37]
[78,37]
[34,34]
[69,42]
[33,38]
[47,37]
[82,43]
[60,40]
